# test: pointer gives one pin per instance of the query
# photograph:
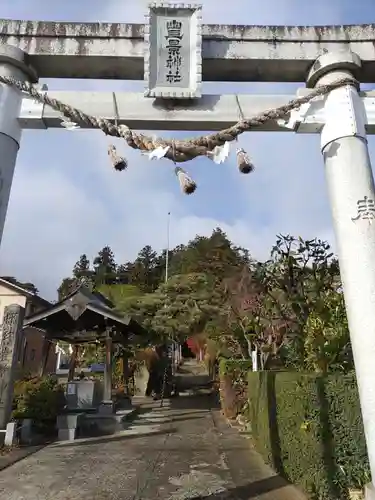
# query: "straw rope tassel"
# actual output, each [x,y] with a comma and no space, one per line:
[188,186]
[119,163]
[244,164]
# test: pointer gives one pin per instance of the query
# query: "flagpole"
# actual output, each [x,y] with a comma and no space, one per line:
[167,252]
[166,279]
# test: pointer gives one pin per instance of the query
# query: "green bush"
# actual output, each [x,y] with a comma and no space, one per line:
[309,428]
[234,367]
[233,385]
[40,399]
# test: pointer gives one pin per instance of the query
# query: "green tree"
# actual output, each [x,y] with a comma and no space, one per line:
[66,287]
[119,293]
[280,308]
[295,281]
[105,267]
[214,256]
[247,322]
[124,273]
[179,308]
[327,340]
[81,268]
[143,272]
[288,309]
[160,266]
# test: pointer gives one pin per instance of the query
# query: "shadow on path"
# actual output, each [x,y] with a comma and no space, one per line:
[327,439]
[248,491]
[199,401]
[273,425]
[110,439]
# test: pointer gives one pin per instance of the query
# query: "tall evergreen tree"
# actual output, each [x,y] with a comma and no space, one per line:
[160,266]
[81,268]
[124,273]
[146,272]
[214,255]
[105,267]
[144,269]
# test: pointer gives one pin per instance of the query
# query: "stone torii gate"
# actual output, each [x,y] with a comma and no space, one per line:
[316,55]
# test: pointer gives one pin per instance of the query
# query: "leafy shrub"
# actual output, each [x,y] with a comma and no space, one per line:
[235,367]
[40,399]
[233,385]
[309,428]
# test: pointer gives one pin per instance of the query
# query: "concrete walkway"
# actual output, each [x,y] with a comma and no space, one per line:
[184,450]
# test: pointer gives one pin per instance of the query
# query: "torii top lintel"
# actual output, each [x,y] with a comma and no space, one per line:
[230,53]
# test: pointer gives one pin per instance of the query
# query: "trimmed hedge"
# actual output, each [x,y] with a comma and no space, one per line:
[309,428]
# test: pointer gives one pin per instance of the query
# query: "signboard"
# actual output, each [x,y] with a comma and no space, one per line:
[71,389]
[97,367]
[173,51]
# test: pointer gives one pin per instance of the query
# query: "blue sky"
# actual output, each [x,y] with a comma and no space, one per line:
[66,200]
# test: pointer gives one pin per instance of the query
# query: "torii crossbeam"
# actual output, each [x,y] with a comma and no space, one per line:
[211,112]
[315,55]
[229,53]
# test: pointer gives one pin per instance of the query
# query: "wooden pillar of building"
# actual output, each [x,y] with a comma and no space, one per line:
[125,372]
[73,362]
[107,395]
[46,349]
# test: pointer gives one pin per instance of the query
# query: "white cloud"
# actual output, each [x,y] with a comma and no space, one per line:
[66,200]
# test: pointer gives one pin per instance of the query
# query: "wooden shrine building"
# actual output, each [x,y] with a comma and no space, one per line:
[85,317]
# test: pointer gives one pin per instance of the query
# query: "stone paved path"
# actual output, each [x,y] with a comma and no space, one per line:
[184,450]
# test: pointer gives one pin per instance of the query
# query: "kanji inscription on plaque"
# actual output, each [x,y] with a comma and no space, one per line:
[173,59]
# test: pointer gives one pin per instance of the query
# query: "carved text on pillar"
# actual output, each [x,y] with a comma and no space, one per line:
[9,345]
[365,210]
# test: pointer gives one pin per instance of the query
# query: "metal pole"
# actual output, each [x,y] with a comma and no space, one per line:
[167,252]
[12,64]
[352,197]
[166,279]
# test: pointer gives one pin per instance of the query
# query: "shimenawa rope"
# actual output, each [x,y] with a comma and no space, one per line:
[179,150]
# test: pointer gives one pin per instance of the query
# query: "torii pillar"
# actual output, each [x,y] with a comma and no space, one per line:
[352,196]
[13,63]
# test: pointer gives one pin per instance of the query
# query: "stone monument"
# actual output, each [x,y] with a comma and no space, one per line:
[9,346]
